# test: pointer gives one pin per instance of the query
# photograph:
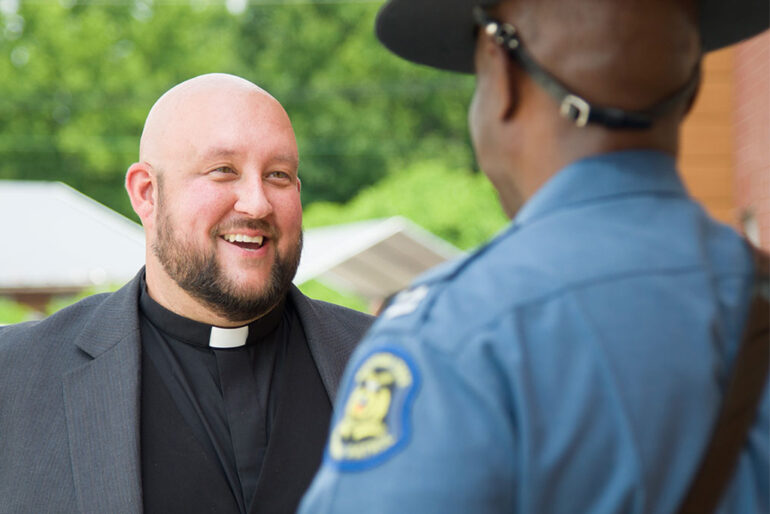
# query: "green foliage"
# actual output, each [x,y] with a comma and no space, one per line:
[59,302]
[317,290]
[78,78]
[454,204]
[12,312]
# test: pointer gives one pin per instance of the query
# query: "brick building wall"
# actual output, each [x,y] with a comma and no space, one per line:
[725,147]
[706,151]
[751,121]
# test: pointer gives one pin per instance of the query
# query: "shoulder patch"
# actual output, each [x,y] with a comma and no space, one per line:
[375,421]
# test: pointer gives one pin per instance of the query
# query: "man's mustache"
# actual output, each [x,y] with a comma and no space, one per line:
[268,229]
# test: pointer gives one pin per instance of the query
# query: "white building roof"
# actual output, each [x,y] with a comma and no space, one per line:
[55,238]
[373,258]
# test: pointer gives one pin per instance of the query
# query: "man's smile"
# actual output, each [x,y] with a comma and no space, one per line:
[245,241]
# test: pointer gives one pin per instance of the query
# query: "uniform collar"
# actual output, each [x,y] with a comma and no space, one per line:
[202,334]
[601,177]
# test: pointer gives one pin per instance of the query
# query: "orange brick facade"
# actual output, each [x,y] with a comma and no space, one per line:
[725,151]
[706,153]
[752,134]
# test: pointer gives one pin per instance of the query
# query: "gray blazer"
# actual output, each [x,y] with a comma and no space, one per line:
[69,400]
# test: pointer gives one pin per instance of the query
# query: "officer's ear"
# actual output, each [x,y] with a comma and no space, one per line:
[513,83]
[501,77]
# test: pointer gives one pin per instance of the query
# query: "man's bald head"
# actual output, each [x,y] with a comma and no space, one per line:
[622,53]
[224,224]
[182,107]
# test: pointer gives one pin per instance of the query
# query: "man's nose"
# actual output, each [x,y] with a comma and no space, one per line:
[252,200]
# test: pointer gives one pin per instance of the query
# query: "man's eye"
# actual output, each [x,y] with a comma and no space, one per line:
[223,169]
[280,175]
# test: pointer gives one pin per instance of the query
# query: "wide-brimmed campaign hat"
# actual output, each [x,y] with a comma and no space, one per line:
[440,33]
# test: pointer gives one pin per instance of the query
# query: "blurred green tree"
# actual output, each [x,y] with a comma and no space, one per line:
[78,78]
[458,206]
[13,312]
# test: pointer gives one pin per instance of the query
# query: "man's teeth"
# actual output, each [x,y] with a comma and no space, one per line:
[241,238]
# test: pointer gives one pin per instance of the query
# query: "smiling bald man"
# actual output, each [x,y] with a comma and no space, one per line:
[205,384]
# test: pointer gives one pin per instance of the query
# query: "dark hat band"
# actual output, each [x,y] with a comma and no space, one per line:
[572,106]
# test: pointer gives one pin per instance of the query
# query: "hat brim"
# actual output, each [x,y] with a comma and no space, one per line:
[440,33]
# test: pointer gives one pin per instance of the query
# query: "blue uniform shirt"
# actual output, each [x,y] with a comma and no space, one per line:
[575,364]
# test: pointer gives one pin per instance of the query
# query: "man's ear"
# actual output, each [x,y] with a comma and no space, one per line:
[299,185]
[142,190]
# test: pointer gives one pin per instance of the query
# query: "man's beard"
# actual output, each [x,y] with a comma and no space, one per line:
[200,275]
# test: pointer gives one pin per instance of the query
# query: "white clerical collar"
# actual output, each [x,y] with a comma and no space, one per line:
[228,337]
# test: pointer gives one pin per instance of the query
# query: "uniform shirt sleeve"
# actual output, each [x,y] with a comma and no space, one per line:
[460,410]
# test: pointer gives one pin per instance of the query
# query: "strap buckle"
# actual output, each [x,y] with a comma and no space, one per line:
[576,109]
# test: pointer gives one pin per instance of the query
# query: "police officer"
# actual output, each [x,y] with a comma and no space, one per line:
[576,363]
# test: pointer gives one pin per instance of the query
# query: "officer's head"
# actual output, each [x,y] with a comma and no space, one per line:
[558,80]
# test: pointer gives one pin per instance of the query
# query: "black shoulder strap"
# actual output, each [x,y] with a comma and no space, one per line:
[739,407]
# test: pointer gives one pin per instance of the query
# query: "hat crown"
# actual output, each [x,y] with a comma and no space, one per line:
[440,33]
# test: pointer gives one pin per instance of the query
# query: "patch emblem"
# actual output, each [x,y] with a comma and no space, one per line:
[374,423]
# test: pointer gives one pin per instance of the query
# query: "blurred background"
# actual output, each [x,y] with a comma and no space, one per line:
[390,186]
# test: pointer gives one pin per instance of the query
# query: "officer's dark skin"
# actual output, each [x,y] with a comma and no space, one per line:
[621,53]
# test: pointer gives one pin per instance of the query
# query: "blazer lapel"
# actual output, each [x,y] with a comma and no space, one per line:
[102,407]
[330,345]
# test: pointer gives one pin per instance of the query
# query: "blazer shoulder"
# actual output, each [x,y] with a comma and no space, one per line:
[347,318]
[31,336]
[87,320]
[332,332]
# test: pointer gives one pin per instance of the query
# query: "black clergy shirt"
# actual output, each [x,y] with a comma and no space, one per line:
[226,396]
